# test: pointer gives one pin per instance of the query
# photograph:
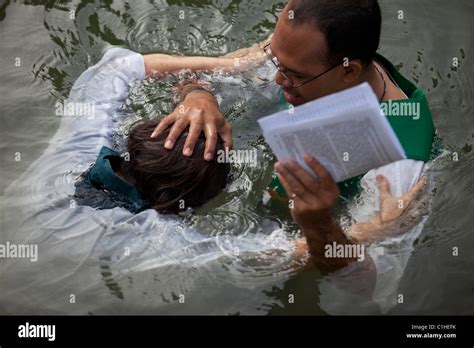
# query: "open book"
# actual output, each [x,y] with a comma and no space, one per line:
[346,131]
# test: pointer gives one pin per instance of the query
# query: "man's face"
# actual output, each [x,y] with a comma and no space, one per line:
[301,52]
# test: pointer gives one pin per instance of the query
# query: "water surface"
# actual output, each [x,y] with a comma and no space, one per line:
[46,45]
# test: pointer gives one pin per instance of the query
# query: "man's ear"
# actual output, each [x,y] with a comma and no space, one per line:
[352,70]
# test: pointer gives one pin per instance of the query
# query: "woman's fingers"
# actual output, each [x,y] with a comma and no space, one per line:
[383,186]
[164,123]
[410,195]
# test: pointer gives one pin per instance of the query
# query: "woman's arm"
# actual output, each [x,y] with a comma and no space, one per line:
[239,60]
[163,63]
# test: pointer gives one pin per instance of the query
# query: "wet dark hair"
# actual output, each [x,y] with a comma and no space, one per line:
[351,27]
[165,177]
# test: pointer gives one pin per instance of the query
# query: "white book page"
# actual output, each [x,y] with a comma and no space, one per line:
[346,131]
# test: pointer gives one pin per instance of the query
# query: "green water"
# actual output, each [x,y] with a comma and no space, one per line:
[44,48]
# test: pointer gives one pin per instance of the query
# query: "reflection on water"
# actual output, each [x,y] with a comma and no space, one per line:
[47,44]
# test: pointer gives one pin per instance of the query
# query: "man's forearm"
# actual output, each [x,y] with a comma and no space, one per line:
[190,86]
[358,275]
[322,234]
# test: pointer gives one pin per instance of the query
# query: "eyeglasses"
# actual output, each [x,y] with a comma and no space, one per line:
[268,51]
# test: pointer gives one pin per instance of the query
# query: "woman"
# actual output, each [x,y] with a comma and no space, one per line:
[151,176]
[87,256]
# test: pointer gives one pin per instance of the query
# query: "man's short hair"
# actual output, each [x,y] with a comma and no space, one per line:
[351,27]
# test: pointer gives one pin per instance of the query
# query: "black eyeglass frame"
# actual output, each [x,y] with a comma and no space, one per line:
[280,68]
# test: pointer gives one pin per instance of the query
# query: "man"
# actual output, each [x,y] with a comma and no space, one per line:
[321,47]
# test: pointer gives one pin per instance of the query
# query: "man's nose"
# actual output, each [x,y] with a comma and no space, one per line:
[280,80]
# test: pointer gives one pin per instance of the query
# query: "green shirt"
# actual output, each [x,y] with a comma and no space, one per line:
[414,131]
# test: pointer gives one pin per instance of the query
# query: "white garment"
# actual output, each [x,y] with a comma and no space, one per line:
[389,256]
[77,242]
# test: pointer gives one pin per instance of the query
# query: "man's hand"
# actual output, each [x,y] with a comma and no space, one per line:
[200,111]
[388,220]
[312,198]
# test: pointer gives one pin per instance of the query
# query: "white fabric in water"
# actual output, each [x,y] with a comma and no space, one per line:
[90,253]
[389,256]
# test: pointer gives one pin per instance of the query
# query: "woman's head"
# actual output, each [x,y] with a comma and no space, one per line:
[167,180]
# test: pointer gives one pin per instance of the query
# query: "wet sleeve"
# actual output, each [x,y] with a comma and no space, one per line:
[97,99]
[108,81]
[391,255]
[46,189]
[345,292]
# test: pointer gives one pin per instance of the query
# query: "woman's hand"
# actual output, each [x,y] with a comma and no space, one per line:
[387,221]
[391,208]
[200,111]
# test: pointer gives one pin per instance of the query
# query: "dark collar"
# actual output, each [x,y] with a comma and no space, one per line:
[102,175]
